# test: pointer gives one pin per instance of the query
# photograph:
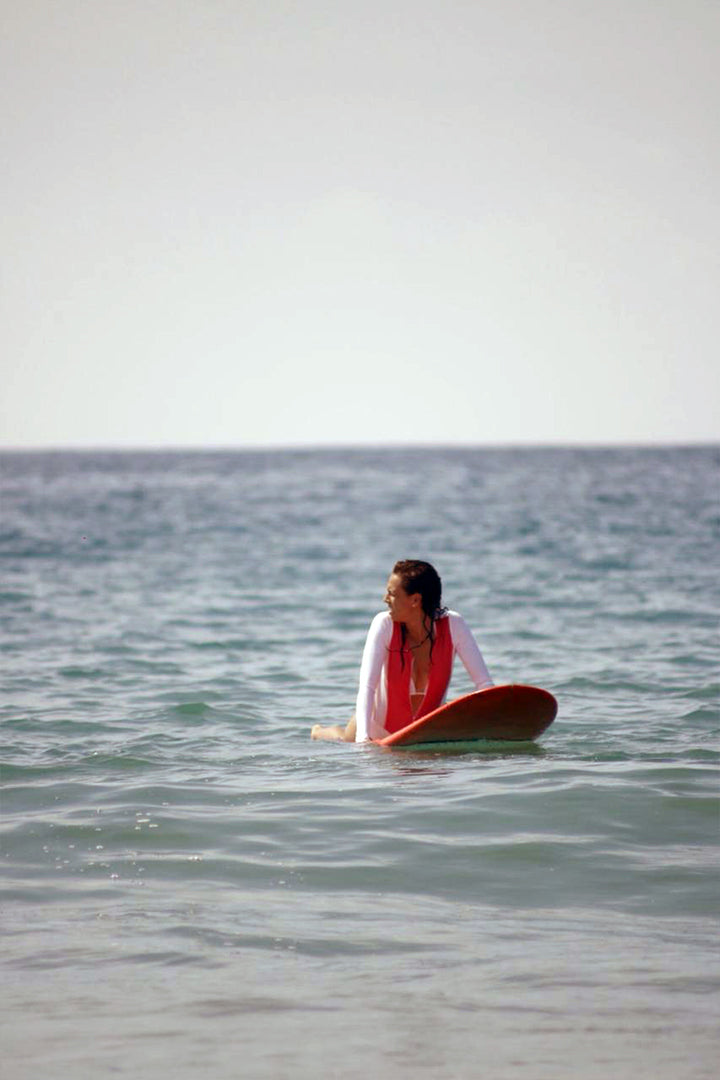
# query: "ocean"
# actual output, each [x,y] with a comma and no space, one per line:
[194,887]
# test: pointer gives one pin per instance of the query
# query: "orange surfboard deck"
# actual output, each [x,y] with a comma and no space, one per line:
[504,713]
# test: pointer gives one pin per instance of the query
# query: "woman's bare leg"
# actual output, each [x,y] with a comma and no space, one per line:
[334,732]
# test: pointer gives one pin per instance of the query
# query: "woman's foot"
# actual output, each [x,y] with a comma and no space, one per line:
[332,733]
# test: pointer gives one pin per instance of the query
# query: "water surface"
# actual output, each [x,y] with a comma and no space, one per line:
[192,884]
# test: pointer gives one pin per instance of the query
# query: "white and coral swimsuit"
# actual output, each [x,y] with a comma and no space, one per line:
[383,701]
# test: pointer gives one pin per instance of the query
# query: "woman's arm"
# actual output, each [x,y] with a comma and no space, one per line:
[468,651]
[373,658]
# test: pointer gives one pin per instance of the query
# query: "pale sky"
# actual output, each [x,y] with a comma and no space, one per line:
[254,222]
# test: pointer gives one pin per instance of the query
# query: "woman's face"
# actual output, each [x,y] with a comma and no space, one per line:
[401,605]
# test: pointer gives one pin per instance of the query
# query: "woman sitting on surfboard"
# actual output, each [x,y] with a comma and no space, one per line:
[408,657]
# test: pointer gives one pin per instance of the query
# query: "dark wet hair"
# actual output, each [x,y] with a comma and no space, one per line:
[420,577]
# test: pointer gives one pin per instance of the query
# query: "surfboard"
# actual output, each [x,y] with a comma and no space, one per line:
[503,713]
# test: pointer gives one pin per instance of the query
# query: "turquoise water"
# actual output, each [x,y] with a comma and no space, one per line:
[193,887]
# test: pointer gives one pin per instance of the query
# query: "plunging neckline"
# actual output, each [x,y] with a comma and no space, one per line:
[413,693]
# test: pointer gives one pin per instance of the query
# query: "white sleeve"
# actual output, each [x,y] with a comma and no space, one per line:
[467,649]
[373,658]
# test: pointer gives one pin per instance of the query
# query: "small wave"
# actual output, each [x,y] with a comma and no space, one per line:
[193,708]
[59,726]
[83,673]
[605,682]
[498,747]
[692,660]
[83,958]
[119,762]
[702,714]
[608,562]
[236,645]
[309,946]
[669,615]
[616,499]
[8,596]
[711,691]
[156,667]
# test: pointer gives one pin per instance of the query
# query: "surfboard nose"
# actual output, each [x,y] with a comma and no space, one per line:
[513,713]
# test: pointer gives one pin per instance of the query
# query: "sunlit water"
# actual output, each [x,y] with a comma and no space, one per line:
[193,887]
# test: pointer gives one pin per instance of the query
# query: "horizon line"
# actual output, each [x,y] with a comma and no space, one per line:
[570,444]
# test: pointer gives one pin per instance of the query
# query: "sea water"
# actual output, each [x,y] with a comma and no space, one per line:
[195,888]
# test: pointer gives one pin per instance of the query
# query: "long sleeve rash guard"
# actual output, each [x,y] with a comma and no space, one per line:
[371,705]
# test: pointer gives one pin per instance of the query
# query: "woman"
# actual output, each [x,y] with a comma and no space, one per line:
[408,657]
